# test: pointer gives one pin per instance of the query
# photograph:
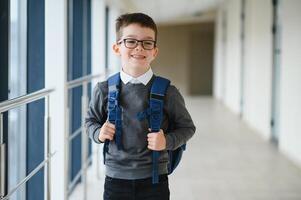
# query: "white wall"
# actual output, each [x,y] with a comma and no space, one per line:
[258,61]
[218,55]
[114,61]
[258,68]
[98,63]
[55,77]
[233,52]
[290,90]
[98,37]
[258,65]
[227,57]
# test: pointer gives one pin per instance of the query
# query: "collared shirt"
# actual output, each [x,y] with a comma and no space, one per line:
[144,78]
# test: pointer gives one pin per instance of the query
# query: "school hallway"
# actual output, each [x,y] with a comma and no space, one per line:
[225,160]
[236,62]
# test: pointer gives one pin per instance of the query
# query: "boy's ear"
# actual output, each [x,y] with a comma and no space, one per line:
[116,49]
[156,51]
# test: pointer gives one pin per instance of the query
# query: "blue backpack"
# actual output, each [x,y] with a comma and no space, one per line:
[154,113]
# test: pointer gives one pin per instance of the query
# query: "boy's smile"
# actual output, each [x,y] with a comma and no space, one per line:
[135,60]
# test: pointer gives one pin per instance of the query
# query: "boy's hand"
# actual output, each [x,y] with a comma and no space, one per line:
[107,131]
[156,141]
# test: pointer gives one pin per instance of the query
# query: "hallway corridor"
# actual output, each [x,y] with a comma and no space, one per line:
[225,160]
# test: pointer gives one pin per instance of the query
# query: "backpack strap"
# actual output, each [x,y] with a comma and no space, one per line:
[156,103]
[114,111]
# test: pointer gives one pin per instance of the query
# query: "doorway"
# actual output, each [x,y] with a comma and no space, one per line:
[201,61]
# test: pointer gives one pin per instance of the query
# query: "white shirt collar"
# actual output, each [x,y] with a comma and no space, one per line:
[144,78]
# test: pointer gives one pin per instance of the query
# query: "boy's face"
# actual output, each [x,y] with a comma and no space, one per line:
[136,60]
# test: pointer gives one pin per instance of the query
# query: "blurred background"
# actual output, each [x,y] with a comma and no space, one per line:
[236,62]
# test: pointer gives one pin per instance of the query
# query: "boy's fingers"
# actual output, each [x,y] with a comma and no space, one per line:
[111,130]
[151,144]
[112,133]
[108,136]
[152,147]
[111,137]
[151,135]
[110,125]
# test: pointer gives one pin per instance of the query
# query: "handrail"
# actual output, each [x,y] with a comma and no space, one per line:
[25,99]
[78,175]
[75,133]
[14,103]
[82,81]
[32,173]
[79,81]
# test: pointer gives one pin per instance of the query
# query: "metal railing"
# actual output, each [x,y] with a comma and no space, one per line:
[85,160]
[14,103]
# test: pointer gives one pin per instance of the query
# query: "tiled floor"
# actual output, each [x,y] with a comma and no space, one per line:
[225,160]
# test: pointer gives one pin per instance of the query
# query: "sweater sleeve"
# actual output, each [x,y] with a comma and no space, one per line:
[182,126]
[96,115]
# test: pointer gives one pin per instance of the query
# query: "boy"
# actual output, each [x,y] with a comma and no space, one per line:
[129,169]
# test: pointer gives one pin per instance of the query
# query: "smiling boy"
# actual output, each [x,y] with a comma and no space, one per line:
[129,159]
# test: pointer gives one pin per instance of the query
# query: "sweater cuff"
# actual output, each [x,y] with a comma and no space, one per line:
[169,142]
[96,136]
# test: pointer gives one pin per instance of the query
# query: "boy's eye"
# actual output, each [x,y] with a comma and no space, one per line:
[131,42]
[148,43]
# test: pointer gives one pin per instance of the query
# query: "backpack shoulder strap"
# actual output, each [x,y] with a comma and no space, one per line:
[114,110]
[114,81]
[158,91]
[113,96]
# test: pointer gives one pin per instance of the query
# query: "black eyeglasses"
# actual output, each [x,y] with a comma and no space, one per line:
[133,43]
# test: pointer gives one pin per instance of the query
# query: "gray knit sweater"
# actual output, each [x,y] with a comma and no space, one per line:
[134,161]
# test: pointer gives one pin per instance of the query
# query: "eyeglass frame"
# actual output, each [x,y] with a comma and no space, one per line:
[137,43]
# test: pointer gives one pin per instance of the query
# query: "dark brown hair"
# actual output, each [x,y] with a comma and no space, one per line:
[134,18]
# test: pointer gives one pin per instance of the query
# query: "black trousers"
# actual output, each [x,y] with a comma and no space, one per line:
[140,189]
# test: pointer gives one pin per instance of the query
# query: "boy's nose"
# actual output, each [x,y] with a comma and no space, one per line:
[139,46]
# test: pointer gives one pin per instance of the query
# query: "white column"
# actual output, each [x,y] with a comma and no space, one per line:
[290,95]
[233,53]
[98,37]
[258,66]
[114,61]
[55,77]
[98,67]
[218,64]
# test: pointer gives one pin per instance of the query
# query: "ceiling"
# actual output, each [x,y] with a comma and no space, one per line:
[171,11]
